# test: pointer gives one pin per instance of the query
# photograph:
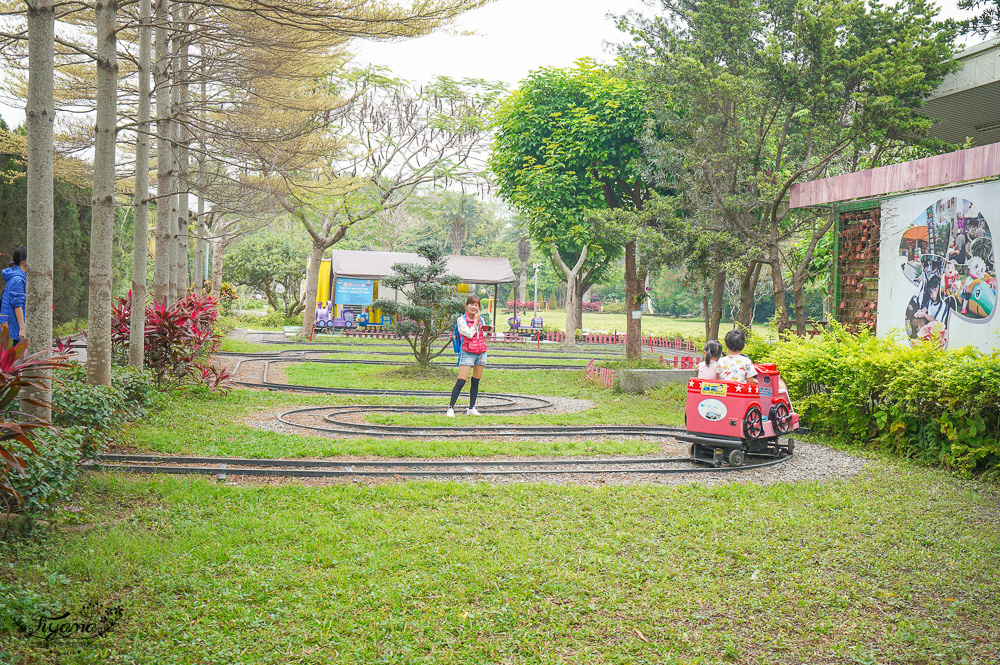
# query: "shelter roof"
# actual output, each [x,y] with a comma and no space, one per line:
[376,265]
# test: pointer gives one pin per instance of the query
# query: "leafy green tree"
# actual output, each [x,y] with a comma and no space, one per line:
[758,95]
[398,137]
[673,295]
[274,263]
[985,23]
[567,142]
[434,302]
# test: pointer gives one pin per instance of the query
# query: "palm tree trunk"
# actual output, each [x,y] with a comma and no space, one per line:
[103,218]
[140,204]
[523,254]
[39,117]
[162,265]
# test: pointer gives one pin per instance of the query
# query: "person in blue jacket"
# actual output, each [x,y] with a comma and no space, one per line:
[15,294]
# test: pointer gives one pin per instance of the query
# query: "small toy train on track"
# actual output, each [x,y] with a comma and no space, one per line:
[728,420]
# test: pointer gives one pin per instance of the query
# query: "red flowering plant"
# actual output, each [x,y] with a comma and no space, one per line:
[177,337]
[18,371]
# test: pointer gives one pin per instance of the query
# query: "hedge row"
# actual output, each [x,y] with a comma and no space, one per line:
[925,403]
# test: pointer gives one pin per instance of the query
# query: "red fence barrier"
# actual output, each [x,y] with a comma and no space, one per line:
[600,375]
[675,344]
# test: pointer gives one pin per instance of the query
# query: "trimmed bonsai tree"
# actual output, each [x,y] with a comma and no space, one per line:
[433,303]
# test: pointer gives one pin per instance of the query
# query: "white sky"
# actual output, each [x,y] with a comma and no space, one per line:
[509,39]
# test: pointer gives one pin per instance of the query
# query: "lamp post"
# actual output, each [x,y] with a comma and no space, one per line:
[535,315]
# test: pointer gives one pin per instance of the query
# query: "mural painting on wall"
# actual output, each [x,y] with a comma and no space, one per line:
[947,255]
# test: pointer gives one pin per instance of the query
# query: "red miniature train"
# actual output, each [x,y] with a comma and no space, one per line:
[728,420]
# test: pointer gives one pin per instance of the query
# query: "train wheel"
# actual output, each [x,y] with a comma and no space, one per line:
[736,458]
[753,423]
[782,418]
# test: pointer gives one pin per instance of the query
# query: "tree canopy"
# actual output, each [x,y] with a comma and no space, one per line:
[567,141]
[274,263]
[757,95]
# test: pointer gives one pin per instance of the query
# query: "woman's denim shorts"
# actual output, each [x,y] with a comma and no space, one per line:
[471,359]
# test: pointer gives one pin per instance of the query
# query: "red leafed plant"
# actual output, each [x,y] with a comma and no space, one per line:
[64,345]
[177,335]
[214,377]
[18,370]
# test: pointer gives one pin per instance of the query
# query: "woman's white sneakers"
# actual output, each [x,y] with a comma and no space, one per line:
[469,412]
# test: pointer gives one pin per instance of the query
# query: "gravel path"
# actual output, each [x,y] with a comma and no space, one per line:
[810,463]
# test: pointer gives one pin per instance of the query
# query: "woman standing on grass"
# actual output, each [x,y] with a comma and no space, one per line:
[472,356]
[14,295]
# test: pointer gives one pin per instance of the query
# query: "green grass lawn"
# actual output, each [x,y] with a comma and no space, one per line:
[651,325]
[898,566]
[197,424]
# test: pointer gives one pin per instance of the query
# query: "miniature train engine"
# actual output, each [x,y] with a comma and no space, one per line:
[728,420]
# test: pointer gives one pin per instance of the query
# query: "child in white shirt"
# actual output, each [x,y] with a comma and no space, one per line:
[736,366]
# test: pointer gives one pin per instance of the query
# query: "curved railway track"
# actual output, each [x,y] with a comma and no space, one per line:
[351,420]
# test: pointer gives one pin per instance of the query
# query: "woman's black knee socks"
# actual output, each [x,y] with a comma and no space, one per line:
[456,391]
[473,392]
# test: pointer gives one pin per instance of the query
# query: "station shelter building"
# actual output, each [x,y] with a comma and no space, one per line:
[350,281]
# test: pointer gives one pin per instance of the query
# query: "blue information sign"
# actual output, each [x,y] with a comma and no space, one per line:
[353,292]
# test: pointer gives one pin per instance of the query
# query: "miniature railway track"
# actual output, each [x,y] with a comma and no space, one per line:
[300,468]
[336,420]
[499,347]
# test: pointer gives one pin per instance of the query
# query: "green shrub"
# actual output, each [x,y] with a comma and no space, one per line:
[760,343]
[69,327]
[51,471]
[246,302]
[925,403]
[99,410]
[271,320]
[614,308]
